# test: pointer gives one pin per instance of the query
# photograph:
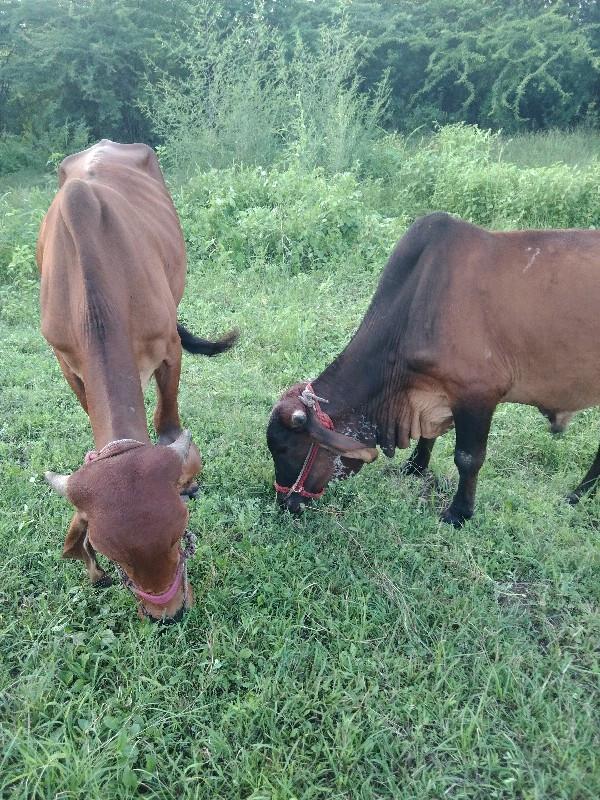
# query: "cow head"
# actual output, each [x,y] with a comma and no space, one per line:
[306,453]
[135,517]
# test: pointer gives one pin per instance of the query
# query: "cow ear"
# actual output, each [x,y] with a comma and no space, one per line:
[59,483]
[339,443]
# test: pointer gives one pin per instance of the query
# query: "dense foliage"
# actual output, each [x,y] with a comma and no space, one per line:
[250,79]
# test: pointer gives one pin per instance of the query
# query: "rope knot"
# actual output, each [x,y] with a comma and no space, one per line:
[311,400]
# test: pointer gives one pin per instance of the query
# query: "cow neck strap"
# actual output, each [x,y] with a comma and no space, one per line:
[92,455]
[310,399]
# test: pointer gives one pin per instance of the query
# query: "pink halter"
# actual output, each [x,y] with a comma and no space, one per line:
[161,599]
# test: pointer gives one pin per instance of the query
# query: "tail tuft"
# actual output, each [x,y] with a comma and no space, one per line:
[205,347]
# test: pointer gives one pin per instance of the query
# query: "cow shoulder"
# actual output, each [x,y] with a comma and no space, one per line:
[139,157]
[427,234]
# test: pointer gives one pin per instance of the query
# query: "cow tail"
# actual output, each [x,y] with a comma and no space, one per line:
[205,347]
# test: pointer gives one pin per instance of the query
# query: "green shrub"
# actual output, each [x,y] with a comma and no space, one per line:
[21,212]
[299,219]
[461,169]
[33,150]
[241,100]
[17,153]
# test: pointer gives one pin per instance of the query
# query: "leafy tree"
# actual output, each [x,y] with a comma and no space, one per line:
[81,60]
[260,75]
[509,64]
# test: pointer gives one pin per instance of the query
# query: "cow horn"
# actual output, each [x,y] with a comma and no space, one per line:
[57,482]
[339,443]
[181,445]
[298,418]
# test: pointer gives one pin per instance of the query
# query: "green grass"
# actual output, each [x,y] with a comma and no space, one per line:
[578,148]
[364,650]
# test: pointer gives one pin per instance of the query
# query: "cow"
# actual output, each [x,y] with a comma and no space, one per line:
[462,319]
[112,261]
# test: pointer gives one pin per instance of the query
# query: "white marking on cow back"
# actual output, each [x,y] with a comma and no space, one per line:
[533,257]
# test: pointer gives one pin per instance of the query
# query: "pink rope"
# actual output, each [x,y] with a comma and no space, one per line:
[169,594]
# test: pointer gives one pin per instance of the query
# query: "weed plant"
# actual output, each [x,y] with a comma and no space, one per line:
[241,100]
[462,169]
[362,651]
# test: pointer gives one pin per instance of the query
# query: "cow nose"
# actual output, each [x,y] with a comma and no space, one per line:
[177,617]
[293,504]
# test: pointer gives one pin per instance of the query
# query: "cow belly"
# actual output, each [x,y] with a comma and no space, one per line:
[146,362]
[146,372]
[145,379]
[564,393]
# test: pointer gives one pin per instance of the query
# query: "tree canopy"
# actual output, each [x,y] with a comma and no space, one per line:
[92,67]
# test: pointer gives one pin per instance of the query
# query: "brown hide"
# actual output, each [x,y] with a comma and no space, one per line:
[462,319]
[112,261]
[135,513]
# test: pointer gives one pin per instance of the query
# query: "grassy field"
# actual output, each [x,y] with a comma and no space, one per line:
[364,650]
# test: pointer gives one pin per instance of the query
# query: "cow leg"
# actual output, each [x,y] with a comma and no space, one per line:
[588,483]
[77,545]
[472,428]
[168,425]
[419,459]
[73,380]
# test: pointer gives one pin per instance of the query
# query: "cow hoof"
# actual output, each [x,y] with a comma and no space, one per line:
[572,498]
[452,518]
[103,583]
[410,468]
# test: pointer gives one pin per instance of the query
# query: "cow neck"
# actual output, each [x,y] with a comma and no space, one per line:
[359,399]
[347,404]
[114,394]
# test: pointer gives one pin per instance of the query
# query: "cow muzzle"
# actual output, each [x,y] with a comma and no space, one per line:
[161,601]
[294,503]
[145,614]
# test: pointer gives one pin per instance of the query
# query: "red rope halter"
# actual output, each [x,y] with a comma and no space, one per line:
[310,399]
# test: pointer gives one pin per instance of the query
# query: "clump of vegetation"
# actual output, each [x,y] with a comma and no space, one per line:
[21,212]
[462,169]
[296,219]
[243,100]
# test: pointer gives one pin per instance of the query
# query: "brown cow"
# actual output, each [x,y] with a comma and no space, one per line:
[462,319]
[112,261]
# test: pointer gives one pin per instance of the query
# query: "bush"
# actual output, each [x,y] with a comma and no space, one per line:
[33,151]
[21,212]
[299,219]
[460,169]
[241,100]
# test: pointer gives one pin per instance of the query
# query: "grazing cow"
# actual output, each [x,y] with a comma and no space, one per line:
[112,261]
[462,319]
